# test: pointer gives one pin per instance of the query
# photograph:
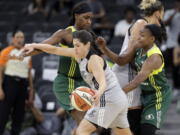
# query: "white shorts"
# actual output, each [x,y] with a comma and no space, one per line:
[111,112]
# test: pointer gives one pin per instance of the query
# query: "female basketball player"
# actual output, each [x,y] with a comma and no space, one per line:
[110,102]
[69,77]
[153,12]
[156,92]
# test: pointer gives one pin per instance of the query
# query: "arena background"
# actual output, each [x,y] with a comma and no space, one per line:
[40,25]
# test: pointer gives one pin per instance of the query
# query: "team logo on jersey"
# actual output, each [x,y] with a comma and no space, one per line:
[149,117]
[144,83]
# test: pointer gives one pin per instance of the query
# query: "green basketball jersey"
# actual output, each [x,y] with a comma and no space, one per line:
[155,89]
[67,65]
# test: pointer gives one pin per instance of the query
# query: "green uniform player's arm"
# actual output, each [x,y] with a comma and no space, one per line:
[69,52]
[128,56]
[58,37]
[152,63]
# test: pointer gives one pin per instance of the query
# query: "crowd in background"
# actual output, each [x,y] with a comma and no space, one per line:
[42,114]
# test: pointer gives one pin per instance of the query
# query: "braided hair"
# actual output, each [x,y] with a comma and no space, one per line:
[156,31]
[79,8]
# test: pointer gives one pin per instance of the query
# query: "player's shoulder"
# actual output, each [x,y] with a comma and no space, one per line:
[141,22]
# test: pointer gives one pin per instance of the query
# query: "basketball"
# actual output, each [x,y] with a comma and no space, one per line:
[81,98]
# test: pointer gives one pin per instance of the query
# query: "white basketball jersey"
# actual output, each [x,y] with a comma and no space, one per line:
[125,74]
[111,80]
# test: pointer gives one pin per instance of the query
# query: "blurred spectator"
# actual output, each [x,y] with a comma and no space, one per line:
[171,19]
[33,115]
[176,68]
[37,6]
[56,7]
[176,53]
[123,25]
[97,8]
[14,84]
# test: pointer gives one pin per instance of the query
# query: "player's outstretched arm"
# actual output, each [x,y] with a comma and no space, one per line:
[56,38]
[120,60]
[51,49]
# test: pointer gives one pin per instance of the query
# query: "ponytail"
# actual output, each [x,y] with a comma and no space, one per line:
[150,6]
[94,46]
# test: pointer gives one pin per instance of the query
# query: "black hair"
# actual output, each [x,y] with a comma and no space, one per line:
[156,31]
[79,8]
[85,36]
[150,6]
[129,9]
[94,47]
[15,32]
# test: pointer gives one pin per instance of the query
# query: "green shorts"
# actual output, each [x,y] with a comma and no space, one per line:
[63,87]
[152,115]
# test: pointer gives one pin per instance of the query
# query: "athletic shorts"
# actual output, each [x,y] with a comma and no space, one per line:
[63,87]
[111,112]
[150,115]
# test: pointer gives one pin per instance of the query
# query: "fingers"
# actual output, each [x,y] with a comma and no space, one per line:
[95,100]
[28,51]
[100,40]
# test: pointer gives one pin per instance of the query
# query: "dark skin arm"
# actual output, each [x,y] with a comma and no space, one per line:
[120,60]
[152,63]
[61,36]
[133,44]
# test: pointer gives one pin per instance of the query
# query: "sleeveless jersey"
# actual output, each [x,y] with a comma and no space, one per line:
[88,77]
[68,66]
[125,74]
[155,88]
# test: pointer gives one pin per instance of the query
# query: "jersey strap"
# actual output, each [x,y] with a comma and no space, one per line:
[156,50]
[73,30]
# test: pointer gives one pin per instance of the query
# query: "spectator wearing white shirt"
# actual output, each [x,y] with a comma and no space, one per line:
[171,19]
[123,25]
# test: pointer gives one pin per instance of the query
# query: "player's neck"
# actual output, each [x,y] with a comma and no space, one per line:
[151,20]
[147,48]
[77,27]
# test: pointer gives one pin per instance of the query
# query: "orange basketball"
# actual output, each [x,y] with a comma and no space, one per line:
[81,98]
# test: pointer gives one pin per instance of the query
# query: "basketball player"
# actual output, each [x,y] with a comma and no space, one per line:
[110,102]
[153,12]
[156,92]
[69,77]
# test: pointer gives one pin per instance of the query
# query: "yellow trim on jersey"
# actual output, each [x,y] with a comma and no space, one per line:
[72,67]
[158,93]
[155,50]
[73,30]
[71,85]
